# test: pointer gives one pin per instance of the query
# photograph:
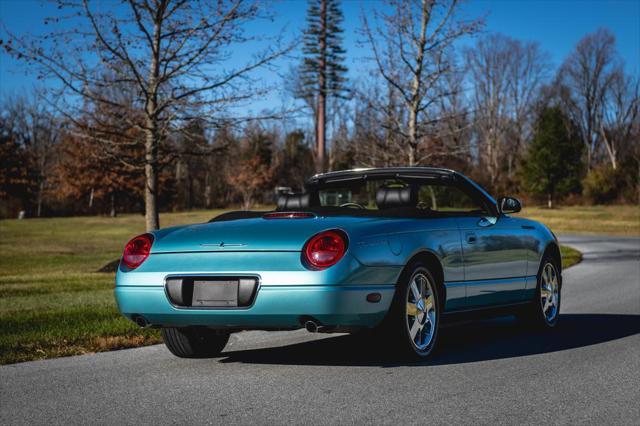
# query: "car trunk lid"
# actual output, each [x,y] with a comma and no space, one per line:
[251,234]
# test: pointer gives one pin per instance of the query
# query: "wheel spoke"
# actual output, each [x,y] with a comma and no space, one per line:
[415,291]
[415,328]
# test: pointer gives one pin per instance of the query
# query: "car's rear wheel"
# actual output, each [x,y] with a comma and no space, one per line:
[414,318]
[194,342]
[544,310]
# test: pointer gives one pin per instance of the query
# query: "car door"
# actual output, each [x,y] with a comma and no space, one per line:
[494,256]
[495,260]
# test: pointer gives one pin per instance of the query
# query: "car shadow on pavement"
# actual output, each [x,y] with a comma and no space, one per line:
[459,343]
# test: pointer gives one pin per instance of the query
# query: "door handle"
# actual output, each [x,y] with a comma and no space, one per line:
[487,221]
[471,237]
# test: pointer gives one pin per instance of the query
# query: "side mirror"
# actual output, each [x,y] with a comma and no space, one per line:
[509,205]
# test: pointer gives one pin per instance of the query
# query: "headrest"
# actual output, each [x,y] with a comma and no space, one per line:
[293,201]
[390,197]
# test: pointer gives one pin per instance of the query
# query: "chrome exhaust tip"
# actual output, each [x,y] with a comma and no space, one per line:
[141,321]
[311,326]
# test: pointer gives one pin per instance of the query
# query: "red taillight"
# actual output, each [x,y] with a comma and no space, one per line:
[325,249]
[137,250]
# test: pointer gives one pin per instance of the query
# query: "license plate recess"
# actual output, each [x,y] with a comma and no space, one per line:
[212,291]
[215,293]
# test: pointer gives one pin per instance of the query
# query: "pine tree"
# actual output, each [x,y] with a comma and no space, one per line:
[554,163]
[323,71]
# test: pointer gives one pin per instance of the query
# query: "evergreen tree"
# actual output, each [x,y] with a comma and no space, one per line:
[322,73]
[554,162]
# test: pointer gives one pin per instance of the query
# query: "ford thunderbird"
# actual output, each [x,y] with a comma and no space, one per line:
[393,251]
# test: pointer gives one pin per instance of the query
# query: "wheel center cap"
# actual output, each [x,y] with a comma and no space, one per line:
[420,305]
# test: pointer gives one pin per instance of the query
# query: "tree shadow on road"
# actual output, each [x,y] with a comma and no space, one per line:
[459,343]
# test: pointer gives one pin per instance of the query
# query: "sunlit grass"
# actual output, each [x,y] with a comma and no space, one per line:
[52,300]
[610,220]
[570,256]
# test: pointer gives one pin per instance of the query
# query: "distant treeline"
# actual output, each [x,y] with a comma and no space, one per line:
[155,127]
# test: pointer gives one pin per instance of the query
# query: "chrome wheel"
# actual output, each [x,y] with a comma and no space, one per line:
[549,293]
[421,311]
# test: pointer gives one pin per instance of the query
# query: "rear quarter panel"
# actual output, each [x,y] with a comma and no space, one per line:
[396,241]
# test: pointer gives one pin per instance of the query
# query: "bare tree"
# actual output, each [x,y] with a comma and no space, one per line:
[488,65]
[172,53]
[620,115]
[411,48]
[588,73]
[529,70]
[453,129]
[506,76]
[377,118]
[37,130]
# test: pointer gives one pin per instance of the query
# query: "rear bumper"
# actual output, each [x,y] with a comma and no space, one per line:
[274,307]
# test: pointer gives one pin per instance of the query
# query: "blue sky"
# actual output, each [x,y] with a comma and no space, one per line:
[556,24]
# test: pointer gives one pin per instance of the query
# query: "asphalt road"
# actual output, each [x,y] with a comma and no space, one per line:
[586,370]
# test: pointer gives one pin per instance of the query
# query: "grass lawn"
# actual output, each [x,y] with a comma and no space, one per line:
[610,220]
[570,256]
[53,303]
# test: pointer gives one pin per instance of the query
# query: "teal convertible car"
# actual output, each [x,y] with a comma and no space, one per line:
[396,251]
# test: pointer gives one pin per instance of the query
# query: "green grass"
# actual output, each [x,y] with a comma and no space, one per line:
[53,303]
[610,220]
[570,256]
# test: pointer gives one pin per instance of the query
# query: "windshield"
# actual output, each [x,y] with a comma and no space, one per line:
[426,196]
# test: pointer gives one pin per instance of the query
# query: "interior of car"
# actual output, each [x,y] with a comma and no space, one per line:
[387,197]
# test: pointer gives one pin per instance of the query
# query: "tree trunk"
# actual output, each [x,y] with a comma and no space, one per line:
[247,201]
[152,219]
[589,155]
[40,192]
[611,149]
[414,105]
[413,140]
[322,95]
[113,213]
[152,134]
[207,190]
[549,200]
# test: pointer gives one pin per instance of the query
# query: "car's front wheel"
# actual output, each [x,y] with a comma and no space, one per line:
[194,342]
[414,319]
[544,309]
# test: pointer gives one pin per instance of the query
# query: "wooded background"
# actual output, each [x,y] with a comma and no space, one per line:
[145,114]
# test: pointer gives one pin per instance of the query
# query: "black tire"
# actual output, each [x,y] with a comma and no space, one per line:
[396,327]
[535,314]
[194,342]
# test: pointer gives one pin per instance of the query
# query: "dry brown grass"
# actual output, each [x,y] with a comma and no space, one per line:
[609,220]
